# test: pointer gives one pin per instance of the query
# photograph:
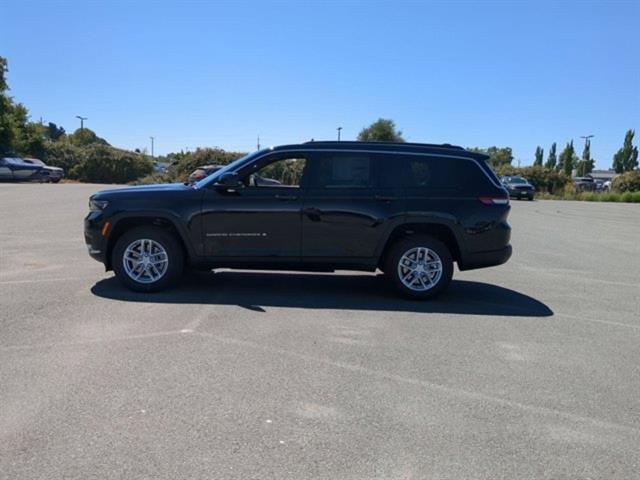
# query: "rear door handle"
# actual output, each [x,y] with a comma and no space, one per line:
[286,197]
[382,198]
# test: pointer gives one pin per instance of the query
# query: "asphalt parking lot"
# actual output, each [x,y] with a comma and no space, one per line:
[528,370]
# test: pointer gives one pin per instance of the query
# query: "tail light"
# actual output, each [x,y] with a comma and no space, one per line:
[494,200]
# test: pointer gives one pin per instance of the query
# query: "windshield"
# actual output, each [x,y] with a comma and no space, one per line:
[228,168]
[516,180]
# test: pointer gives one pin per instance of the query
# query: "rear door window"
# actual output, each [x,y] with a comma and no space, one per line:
[341,170]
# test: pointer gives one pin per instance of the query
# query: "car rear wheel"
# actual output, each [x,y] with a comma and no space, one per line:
[419,266]
[148,259]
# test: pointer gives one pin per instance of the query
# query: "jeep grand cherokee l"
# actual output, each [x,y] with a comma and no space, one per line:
[410,210]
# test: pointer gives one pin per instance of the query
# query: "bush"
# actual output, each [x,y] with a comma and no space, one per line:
[61,154]
[543,179]
[153,178]
[103,164]
[188,162]
[627,197]
[627,182]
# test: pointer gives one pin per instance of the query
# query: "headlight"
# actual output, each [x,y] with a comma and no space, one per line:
[97,205]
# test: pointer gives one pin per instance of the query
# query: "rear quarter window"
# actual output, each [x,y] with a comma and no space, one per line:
[444,175]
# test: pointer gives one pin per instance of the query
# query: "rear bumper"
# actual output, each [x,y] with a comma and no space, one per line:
[485,259]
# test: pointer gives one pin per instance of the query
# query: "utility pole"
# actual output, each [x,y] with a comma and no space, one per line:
[258,142]
[152,139]
[82,119]
[339,130]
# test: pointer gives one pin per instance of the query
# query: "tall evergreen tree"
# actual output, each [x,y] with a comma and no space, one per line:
[586,164]
[552,160]
[626,158]
[567,159]
[539,156]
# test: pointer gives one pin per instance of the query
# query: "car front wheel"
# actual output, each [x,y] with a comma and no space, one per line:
[419,266]
[148,259]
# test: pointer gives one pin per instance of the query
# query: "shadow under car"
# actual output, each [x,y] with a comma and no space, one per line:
[255,290]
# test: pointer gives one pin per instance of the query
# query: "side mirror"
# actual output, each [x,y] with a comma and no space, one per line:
[228,180]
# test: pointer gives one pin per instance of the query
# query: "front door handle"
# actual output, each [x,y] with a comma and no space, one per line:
[313,213]
[382,198]
[286,197]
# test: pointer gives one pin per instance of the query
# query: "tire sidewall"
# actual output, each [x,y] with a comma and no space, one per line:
[391,267]
[169,243]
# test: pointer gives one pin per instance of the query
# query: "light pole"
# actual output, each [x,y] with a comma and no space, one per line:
[587,138]
[584,163]
[82,119]
[339,130]
[152,139]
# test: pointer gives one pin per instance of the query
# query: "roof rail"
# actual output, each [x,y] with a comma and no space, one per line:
[400,144]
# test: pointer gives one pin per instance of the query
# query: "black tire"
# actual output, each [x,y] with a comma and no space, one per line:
[398,249]
[171,245]
[55,180]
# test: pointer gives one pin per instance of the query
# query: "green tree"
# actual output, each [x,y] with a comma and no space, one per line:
[18,136]
[382,130]
[567,159]
[84,137]
[498,156]
[8,131]
[53,132]
[539,156]
[626,159]
[552,159]
[586,164]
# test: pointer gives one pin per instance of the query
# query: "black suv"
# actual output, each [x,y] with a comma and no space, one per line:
[518,187]
[410,210]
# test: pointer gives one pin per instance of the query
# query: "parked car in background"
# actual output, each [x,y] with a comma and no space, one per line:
[606,186]
[518,187]
[20,169]
[159,167]
[47,173]
[584,184]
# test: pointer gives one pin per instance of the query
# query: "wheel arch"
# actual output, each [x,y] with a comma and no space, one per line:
[437,229]
[126,223]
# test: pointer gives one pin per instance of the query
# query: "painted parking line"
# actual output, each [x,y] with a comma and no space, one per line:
[92,341]
[44,280]
[379,374]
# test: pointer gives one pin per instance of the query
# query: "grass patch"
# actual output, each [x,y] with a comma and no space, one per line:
[626,197]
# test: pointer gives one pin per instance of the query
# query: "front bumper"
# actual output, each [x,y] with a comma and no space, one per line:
[521,193]
[485,259]
[94,224]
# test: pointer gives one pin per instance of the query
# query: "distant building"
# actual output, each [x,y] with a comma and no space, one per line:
[603,175]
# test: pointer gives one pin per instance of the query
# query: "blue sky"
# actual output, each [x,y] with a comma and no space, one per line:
[516,74]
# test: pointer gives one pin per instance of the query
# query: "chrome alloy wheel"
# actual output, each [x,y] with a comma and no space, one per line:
[145,261]
[420,269]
